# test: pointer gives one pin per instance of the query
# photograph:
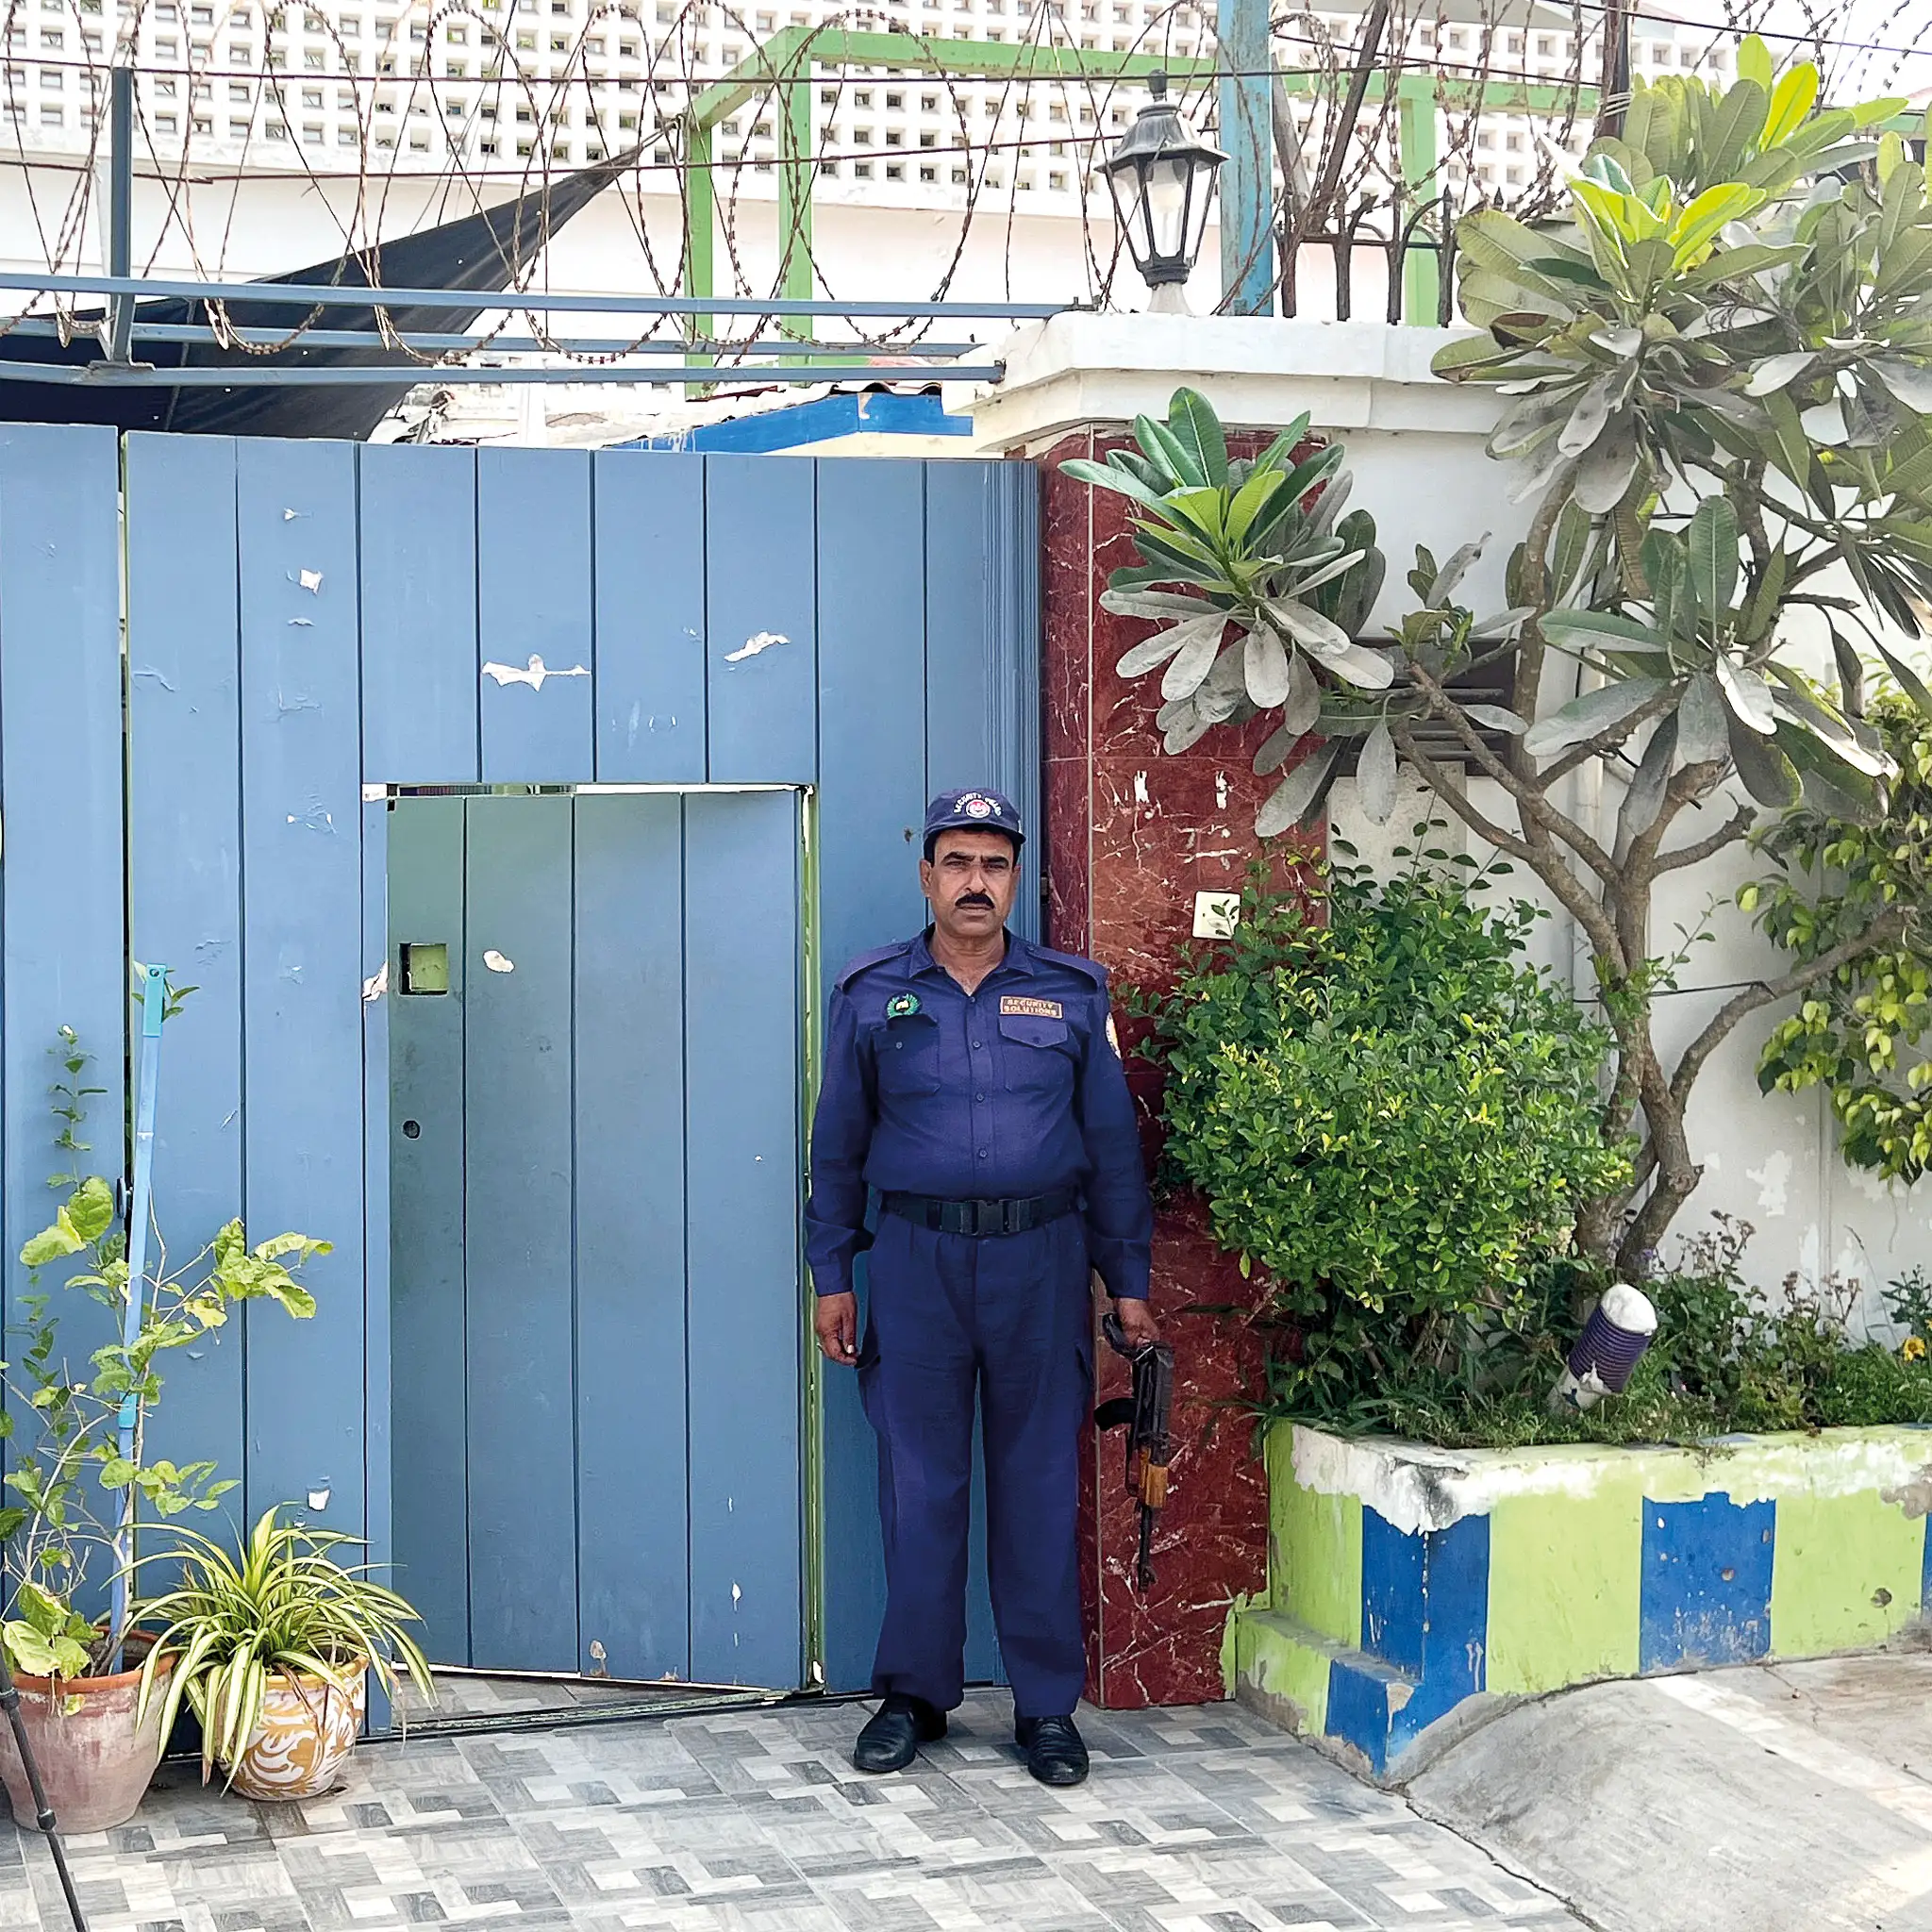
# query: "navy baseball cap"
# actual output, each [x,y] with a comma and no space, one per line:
[977,811]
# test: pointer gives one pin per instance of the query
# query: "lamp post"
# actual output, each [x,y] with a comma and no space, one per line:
[1162,176]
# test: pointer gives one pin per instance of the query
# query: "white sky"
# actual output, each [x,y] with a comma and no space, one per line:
[1872,45]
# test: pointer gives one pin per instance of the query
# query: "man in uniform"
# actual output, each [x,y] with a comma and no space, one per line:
[973,1083]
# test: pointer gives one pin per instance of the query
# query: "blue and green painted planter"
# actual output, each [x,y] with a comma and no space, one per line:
[1407,1583]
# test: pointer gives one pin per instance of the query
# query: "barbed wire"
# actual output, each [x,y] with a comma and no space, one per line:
[411,148]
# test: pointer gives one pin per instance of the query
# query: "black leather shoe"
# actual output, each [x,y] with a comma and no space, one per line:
[1054,1754]
[892,1738]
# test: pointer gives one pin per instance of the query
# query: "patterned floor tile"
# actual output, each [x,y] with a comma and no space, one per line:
[1193,1820]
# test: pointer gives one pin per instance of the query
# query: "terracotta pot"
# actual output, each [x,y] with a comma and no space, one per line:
[95,1765]
[307,1727]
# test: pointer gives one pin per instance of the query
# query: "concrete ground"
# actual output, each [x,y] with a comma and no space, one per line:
[1767,1798]
[1193,1820]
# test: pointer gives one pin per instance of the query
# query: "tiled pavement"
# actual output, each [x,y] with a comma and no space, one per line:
[1193,1820]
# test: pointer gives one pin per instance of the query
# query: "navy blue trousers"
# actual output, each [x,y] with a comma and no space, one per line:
[1006,1320]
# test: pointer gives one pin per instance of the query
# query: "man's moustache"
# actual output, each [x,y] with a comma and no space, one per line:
[973,899]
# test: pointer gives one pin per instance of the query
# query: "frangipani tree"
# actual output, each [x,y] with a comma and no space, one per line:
[1718,375]
[1275,584]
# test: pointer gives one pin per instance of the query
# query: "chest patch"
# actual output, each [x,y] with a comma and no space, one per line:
[1035,1009]
[902,1006]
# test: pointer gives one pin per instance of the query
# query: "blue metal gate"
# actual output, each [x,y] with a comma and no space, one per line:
[310,626]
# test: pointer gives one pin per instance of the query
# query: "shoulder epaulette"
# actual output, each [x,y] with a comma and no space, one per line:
[853,968]
[1092,969]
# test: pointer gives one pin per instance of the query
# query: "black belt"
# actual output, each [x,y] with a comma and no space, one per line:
[982,1217]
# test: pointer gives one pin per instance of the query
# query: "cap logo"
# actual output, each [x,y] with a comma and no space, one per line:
[975,806]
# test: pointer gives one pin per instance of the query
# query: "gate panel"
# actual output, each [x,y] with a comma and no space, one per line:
[428,1383]
[301,842]
[741,1045]
[517,1216]
[377,1460]
[650,541]
[534,601]
[760,584]
[633,1571]
[60,924]
[269,917]
[419,614]
[871,806]
[982,651]
[185,842]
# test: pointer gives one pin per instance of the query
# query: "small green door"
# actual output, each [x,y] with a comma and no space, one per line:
[595,1058]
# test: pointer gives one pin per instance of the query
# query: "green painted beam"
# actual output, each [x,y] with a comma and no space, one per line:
[1422,268]
[797,169]
[787,60]
[700,224]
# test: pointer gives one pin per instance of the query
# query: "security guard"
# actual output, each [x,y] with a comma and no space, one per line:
[974,1082]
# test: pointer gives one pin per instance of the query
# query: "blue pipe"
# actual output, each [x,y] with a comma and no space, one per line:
[154,1003]
[404,376]
[537,301]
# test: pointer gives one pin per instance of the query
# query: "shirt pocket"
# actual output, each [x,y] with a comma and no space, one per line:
[1038,1054]
[907,1053]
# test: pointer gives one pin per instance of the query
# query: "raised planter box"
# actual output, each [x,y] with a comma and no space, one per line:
[1409,1588]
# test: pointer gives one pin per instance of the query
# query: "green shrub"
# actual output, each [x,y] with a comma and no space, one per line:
[1795,1363]
[1392,1116]
[1724,1361]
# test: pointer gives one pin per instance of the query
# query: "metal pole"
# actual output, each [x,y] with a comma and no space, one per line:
[795,172]
[44,1812]
[1613,101]
[121,208]
[700,217]
[154,1000]
[1247,181]
[1341,131]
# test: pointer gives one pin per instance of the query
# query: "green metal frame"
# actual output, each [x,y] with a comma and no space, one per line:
[786,61]
[811,1388]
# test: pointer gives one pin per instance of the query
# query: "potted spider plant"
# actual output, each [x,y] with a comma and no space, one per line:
[272,1650]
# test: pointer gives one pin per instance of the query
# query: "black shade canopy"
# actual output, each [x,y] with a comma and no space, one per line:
[482,251]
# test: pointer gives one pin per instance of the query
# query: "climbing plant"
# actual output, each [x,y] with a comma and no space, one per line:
[1864,1031]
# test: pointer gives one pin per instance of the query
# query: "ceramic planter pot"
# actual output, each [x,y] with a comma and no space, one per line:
[309,1726]
[94,1763]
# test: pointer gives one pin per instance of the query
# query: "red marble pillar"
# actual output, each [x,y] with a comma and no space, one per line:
[1131,835]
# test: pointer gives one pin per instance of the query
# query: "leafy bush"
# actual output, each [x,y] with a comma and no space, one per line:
[1389,1114]
[1866,1032]
[1724,1361]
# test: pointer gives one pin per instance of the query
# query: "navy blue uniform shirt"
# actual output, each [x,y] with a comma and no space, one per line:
[1011,1091]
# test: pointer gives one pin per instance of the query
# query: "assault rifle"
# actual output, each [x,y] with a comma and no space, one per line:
[1146,1413]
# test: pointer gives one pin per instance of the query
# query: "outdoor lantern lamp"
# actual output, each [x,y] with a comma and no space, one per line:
[1162,178]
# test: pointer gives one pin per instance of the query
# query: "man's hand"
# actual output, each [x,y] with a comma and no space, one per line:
[835,1321]
[1137,1322]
